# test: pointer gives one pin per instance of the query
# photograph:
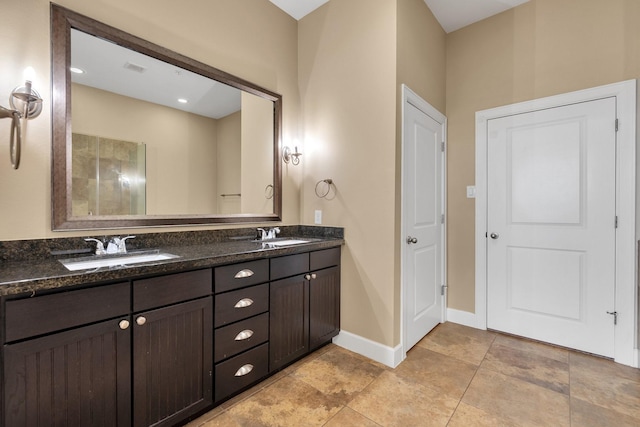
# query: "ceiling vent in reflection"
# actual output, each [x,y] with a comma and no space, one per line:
[135,67]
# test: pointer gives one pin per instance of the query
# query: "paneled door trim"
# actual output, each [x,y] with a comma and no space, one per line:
[625,298]
[411,98]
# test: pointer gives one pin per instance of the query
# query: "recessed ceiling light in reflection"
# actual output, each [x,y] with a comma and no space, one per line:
[76,70]
[182,101]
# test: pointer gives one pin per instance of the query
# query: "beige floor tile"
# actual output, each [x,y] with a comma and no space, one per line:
[288,402]
[224,419]
[534,347]
[338,373]
[446,374]
[463,343]
[519,401]
[469,416]
[606,384]
[528,366]
[585,414]
[391,401]
[347,417]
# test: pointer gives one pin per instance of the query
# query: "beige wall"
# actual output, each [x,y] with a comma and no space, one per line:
[254,40]
[228,166]
[541,48]
[347,70]
[353,56]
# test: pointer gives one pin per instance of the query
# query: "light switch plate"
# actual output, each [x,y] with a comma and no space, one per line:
[318,217]
[471,191]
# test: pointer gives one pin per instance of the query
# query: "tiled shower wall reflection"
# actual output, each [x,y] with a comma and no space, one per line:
[108,176]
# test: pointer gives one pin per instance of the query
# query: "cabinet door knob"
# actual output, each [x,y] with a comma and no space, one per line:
[244,370]
[314,275]
[244,335]
[244,273]
[141,320]
[307,276]
[124,324]
[244,302]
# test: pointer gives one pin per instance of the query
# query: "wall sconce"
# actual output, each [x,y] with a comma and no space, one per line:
[288,156]
[25,102]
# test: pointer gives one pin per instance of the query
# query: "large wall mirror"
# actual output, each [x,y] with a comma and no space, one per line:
[143,136]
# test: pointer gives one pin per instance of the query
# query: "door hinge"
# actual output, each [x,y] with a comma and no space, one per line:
[442,146]
[443,289]
[616,223]
[615,316]
[442,219]
[617,125]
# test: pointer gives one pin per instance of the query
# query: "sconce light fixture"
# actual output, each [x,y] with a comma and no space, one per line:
[25,102]
[288,156]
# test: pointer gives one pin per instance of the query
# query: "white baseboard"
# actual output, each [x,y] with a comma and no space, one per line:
[461,317]
[373,350]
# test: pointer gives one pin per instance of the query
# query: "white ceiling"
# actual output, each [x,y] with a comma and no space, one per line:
[452,14]
[455,14]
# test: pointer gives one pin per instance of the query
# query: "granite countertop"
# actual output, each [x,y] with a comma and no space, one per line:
[32,276]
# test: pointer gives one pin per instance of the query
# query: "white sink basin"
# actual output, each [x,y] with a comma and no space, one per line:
[97,262]
[285,242]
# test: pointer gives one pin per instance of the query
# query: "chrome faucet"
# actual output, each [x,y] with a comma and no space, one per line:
[117,245]
[267,234]
[99,246]
[273,233]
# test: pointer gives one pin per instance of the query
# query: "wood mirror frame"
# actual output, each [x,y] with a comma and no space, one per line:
[62,21]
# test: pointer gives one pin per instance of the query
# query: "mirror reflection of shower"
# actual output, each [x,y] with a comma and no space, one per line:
[110,176]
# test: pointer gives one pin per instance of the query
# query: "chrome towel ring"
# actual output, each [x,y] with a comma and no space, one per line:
[324,194]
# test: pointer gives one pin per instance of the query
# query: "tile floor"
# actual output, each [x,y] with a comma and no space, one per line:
[456,376]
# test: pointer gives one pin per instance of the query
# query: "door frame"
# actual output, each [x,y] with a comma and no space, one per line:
[410,97]
[625,333]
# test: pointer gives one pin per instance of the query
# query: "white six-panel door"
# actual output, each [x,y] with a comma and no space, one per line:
[551,194]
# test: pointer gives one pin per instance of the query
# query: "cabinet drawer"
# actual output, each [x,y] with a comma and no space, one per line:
[241,304]
[49,313]
[241,371]
[172,288]
[238,337]
[240,275]
[289,265]
[325,258]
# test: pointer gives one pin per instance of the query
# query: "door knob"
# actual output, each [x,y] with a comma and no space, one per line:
[411,240]
[494,235]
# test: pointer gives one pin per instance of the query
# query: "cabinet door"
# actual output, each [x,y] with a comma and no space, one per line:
[324,306]
[288,321]
[80,377]
[172,362]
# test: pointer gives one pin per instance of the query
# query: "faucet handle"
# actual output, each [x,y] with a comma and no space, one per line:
[99,246]
[262,234]
[122,247]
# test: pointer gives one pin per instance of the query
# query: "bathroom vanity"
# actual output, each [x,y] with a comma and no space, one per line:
[158,344]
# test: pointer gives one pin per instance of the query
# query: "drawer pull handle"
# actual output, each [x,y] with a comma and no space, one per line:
[244,273]
[244,335]
[244,370]
[244,302]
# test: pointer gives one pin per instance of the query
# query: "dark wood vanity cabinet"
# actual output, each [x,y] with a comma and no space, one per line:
[304,307]
[64,364]
[156,351]
[172,347]
[241,320]
[135,353]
